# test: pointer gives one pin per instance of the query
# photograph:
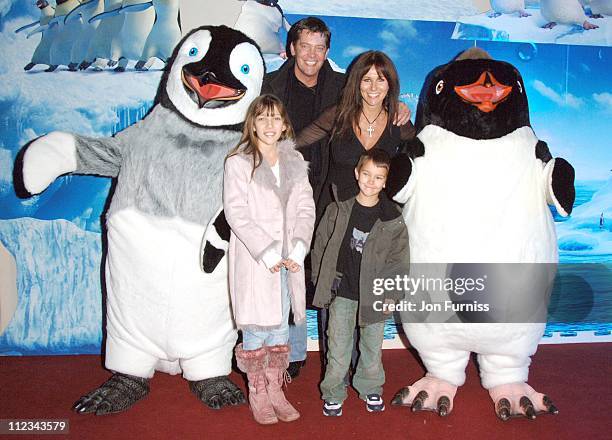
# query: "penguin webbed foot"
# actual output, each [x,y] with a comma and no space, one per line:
[495,14]
[596,16]
[550,25]
[520,400]
[427,394]
[523,14]
[217,392]
[28,66]
[587,25]
[51,68]
[73,67]
[117,394]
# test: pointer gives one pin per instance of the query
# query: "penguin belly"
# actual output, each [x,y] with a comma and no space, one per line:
[61,49]
[603,7]
[136,28]
[165,33]
[105,43]
[478,202]
[88,30]
[161,308]
[508,6]
[262,24]
[563,11]
[42,53]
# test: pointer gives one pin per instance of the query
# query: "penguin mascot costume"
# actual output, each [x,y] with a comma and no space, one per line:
[476,184]
[162,311]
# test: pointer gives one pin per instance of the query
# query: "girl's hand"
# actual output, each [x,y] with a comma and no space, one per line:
[291,265]
[276,267]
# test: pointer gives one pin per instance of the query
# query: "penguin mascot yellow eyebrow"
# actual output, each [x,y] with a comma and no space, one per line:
[162,311]
[476,184]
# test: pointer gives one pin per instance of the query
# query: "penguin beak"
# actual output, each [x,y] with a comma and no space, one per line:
[207,91]
[485,94]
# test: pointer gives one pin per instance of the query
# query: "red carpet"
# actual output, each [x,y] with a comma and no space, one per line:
[578,377]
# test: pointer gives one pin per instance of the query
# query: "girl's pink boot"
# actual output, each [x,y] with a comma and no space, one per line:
[253,363]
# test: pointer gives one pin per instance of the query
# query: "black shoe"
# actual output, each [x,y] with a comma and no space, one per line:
[332,409]
[294,368]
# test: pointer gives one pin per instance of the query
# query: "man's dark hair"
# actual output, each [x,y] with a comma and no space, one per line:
[311,24]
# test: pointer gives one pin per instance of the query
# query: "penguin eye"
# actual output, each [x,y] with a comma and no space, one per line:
[439,87]
[193,51]
[245,69]
[520,87]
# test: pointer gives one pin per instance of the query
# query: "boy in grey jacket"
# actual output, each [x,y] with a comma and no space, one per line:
[358,241]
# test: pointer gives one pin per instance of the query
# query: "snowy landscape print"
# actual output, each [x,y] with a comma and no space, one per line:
[55,238]
[576,22]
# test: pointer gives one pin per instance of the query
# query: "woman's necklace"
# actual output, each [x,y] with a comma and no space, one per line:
[370,129]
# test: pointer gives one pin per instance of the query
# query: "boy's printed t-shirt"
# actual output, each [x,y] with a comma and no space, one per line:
[360,224]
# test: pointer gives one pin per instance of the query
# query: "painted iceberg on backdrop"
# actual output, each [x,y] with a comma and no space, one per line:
[59,309]
[588,231]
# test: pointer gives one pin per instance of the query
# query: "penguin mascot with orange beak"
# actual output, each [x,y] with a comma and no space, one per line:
[477,184]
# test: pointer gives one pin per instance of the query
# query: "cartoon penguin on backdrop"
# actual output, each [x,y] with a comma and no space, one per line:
[68,33]
[162,311]
[477,186]
[105,47]
[564,12]
[136,27]
[597,8]
[84,12]
[41,54]
[509,7]
[163,37]
[261,20]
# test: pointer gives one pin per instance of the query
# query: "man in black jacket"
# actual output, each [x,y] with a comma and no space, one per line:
[307,85]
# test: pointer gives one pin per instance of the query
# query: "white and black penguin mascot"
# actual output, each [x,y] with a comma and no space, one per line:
[476,185]
[162,311]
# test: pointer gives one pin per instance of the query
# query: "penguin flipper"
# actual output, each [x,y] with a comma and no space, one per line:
[41,28]
[399,185]
[105,15]
[139,7]
[27,26]
[560,190]
[78,11]
[47,158]
[215,242]
[542,152]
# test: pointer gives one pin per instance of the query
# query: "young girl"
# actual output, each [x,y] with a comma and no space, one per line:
[269,206]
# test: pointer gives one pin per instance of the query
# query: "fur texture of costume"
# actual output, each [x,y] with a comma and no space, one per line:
[163,312]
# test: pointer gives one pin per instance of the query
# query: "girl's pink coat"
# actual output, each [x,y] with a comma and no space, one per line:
[264,216]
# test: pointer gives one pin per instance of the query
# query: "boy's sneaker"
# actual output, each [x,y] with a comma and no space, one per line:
[332,409]
[374,403]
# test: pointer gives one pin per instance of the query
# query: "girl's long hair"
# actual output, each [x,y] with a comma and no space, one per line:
[264,104]
[351,104]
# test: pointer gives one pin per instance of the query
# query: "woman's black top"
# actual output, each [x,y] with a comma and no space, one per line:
[345,152]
